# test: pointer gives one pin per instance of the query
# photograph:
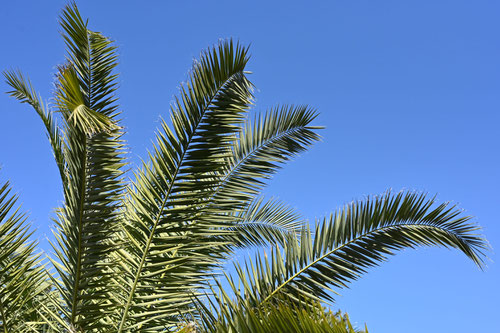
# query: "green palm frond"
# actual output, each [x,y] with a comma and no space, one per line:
[260,149]
[170,238]
[22,276]
[25,93]
[93,58]
[358,236]
[141,256]
[223,315]
[88,222]
[265,222]
[71,103]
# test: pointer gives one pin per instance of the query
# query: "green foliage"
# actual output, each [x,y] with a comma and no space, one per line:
[145,255]
[22,278]
[358,236]
[283,316]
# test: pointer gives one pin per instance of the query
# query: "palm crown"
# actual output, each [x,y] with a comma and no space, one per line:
[145,255]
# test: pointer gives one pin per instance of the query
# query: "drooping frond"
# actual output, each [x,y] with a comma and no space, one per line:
[25,93]
[260,149]
[170,238]
[140,258]
[356,237]
[88,221]
[71,102]
[22,277]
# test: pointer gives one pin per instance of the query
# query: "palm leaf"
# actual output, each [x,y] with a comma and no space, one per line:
[25,93]
[356,237]
[92,151]
[223,315]
[264,222]
[22,276]
[170,238]
[259,150]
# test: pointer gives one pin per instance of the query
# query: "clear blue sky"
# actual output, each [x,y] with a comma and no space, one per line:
[409,92]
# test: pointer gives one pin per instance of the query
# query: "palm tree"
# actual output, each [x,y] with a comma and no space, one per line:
[145,255]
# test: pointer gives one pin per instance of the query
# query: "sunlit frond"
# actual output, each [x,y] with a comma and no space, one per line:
[260,149]
[264,222]
[356,237]
[25,93]
[170,239]
[88,222]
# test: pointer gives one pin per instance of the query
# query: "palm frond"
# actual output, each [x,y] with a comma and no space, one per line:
[260,148]
[70,99]
[223,315]
[356,237]
[25,93]
[87,223]
[22,276]
[93,58]
[264,222]
[170,238]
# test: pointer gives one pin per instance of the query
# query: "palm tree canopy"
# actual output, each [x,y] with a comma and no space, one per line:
[146,255]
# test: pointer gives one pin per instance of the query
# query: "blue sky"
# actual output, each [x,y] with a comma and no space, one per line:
[408,92]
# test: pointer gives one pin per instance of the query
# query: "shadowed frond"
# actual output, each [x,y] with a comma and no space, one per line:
[22,276]
[358,236]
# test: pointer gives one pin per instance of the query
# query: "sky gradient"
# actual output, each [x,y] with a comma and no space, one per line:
[408,92]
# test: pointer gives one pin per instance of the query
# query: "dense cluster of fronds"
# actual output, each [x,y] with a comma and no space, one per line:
[143,255]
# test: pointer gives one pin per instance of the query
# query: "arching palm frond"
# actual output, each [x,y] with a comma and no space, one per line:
[261,148]
[25,93]
[258,151]
[170,238]
[22,276]
[358,236]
